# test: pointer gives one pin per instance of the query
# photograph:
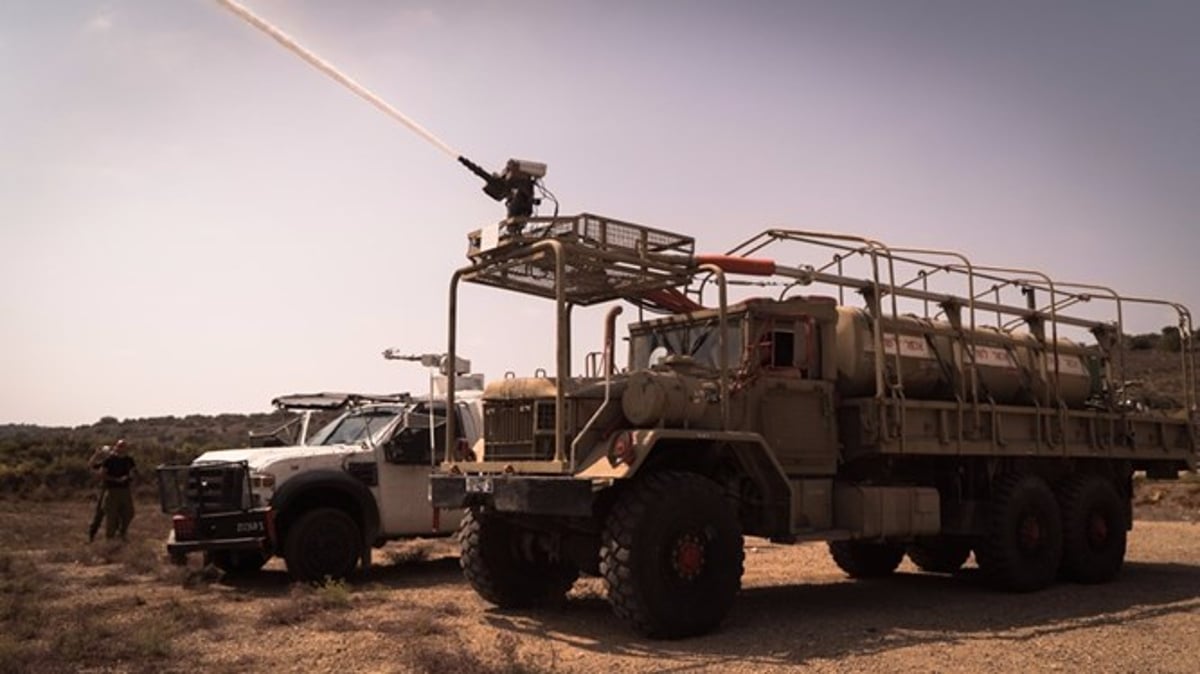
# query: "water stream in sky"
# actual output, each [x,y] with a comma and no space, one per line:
[327,68]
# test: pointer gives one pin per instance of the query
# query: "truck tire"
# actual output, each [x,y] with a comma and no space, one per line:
[1021,548]
[671,555]
[860,559]
[323,543]
[500,569]
[939,554]
[236,562]
[1094,529]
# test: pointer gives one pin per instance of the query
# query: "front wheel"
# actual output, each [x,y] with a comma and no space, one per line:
[507,567]
[324,543]
[671,555]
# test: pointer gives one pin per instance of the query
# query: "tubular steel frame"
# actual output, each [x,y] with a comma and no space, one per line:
[577,260]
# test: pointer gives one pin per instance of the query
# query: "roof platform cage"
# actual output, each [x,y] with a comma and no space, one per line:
[598,259]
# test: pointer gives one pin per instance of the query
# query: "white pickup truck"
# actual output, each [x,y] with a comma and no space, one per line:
[323,503]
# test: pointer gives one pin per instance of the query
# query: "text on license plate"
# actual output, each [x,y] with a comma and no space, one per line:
[479,485]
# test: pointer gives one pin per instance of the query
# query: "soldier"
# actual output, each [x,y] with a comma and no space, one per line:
[118,471]
[95,463]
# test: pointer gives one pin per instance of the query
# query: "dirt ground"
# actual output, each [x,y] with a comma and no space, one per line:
[66,605]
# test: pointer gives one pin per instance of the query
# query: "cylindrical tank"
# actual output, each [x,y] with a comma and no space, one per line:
[1012,367]
[666,397]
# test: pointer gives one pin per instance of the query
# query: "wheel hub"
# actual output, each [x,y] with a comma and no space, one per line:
[688,556]
[1097,531]
[1030,533]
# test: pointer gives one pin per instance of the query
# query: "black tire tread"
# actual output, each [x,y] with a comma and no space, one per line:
[299,564]
[860,559]
[617,554]
[1080,563]
[999,562]
[508,582]
[939,554]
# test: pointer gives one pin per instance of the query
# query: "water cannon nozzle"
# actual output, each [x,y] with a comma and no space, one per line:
[515,186]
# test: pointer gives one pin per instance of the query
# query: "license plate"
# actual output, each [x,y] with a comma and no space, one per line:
[479,485]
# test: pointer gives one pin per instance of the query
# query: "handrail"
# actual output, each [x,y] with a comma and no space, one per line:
[1054,314]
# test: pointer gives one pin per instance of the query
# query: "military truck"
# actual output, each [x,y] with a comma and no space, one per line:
[325,502]
[943,411]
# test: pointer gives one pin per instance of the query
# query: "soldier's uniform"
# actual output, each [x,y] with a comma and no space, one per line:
[96,462]
[118,470]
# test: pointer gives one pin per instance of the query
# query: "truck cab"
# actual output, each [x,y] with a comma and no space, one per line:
[322,504]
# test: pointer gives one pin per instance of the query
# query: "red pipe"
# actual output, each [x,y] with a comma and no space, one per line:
[739,265]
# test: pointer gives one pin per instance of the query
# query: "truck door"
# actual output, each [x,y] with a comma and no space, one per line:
[405,463]
[794,403]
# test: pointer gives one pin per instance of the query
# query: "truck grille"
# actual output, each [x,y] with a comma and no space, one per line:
[520,430]
[207,487]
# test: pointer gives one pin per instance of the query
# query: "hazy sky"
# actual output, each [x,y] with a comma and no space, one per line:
[194,220]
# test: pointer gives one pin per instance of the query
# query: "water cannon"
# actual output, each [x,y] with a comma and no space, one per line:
[515,186]
[432,360]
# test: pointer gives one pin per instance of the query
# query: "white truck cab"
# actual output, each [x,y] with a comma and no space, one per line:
[324,502]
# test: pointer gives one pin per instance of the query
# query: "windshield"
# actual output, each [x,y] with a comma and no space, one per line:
[357,426]
[697,340]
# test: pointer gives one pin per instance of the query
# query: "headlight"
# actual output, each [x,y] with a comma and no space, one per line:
[262,480]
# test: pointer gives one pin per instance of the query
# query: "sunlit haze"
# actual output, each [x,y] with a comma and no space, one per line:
[194,220]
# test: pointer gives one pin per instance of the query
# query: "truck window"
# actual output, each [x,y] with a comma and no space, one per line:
[699,341]
[790,344]
[355,427]
[409,444]
[783,348]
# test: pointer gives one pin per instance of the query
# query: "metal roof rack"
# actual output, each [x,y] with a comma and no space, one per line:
[599,259]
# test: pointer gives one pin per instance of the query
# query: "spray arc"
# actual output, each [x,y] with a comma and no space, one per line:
[517,185]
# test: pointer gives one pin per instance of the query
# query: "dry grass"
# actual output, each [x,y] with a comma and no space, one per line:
[15,657]
[23,588]
[307,601]
[66,605]
[507,656]
[190,614]
[411,552]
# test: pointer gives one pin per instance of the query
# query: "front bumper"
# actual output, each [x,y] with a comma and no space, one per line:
[535,495]
[241,530]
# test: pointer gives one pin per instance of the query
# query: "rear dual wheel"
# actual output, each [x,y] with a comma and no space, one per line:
[1022,547]
[1095,525]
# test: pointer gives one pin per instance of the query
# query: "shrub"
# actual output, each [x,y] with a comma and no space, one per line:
[1143,342]
[332,594]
